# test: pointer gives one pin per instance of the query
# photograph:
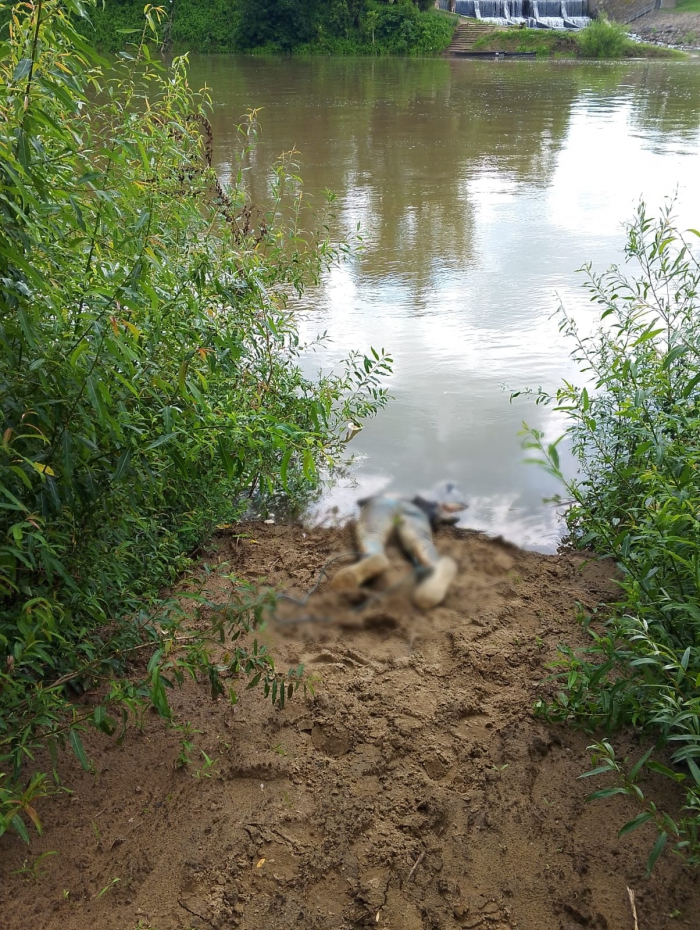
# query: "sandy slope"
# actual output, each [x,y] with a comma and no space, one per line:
[414,791]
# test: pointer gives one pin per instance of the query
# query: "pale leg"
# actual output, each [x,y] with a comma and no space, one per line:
[373,530]
[416,540]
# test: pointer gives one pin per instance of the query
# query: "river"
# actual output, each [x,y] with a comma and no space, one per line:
[480,188]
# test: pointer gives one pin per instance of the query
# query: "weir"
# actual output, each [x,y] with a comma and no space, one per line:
[537,14]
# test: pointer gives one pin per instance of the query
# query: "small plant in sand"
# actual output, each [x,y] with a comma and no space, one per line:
[33,871]
[208,768]
[187,743]
[103,891]
[684,834]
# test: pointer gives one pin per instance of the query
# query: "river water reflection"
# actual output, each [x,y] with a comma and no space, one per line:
[480,188]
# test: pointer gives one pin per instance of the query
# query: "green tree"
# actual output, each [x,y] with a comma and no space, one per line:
[285,23]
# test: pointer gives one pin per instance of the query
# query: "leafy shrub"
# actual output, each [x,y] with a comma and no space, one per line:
[285,23]
[603,39]
[635,430]
[111,24]
[402,29]
[209,27]
[148,383]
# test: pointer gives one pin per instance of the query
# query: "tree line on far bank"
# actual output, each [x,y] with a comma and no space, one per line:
[333,26]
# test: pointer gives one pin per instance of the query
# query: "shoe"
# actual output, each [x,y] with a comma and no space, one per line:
[352,576]
[433,590]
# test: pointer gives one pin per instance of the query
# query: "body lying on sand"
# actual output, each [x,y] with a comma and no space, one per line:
[413,521]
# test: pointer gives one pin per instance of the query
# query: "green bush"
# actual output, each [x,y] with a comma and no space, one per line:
[402,29]
[149,382]
[210,27]
[111,25]
[635,430]
[283,23]
[603,39]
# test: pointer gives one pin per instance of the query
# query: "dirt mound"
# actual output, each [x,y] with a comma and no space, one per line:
[414,791]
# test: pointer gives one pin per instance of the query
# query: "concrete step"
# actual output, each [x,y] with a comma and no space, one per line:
[465,35]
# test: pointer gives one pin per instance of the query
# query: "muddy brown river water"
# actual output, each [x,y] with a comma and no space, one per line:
[480,189]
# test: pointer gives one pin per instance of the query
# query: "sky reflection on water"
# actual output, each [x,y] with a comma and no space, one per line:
[480,188]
